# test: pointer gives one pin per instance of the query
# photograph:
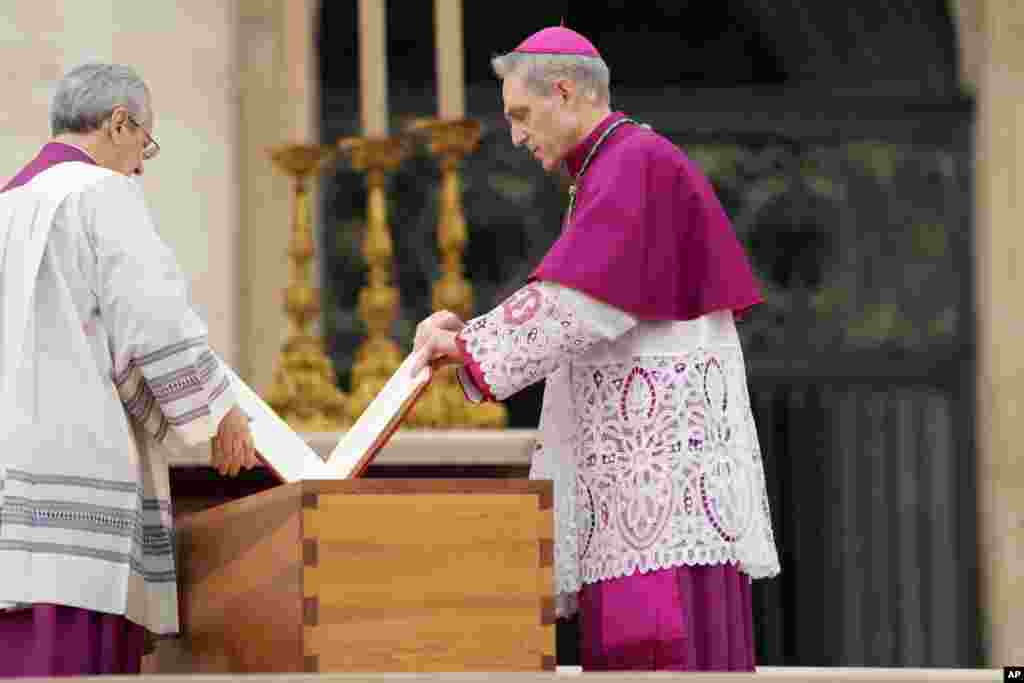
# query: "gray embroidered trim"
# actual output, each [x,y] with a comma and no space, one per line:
[156,504]
[221,388]
[172,350]
[184,382]
[161,354]
[190,416]
[149,398]
[136,565]
[81,482]
[155,539]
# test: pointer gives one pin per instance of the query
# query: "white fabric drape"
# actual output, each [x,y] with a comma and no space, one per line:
[105,366]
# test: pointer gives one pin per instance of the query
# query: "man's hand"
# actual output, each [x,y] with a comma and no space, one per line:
[441,320]
[233,446]
[435,340]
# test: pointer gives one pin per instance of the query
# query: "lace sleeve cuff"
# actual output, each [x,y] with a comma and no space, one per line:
[533,333]
[471,377]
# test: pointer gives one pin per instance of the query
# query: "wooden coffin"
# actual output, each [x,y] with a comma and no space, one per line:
[370,575]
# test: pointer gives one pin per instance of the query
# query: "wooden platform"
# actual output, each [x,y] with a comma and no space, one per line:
[773,674]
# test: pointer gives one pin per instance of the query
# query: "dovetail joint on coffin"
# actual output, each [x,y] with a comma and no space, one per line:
[311,611]
[547,611]
[545,499]
[310,552]
[546,549]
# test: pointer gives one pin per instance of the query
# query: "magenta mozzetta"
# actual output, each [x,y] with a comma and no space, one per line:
[647,234]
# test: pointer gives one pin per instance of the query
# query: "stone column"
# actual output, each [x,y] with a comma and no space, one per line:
[279,95]
[999,258]
[373,68]
[301,73]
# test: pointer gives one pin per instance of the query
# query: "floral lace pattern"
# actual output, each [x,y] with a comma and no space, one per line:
[552,459]
[669,468]
[654,455]
[525,340]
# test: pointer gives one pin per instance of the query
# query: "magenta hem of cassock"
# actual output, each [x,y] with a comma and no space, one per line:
[57,640]
[680,619]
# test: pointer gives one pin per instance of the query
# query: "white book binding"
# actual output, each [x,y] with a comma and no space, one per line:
[291,459]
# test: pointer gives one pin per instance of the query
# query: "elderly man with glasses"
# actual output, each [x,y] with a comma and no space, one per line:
[104,365]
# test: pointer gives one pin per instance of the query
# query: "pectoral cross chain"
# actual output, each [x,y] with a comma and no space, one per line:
[586,162]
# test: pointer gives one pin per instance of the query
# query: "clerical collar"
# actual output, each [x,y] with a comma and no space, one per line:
[67,152]
[578,154]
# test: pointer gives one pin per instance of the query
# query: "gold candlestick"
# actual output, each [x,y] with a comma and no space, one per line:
[443,405]
[378,356]
[304,392]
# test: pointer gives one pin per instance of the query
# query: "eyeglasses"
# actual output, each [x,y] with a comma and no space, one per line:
[152,148]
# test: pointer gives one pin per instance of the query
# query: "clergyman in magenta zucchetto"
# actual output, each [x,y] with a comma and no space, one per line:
[661,508]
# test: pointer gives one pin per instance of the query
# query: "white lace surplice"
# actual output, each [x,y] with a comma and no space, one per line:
[646,432]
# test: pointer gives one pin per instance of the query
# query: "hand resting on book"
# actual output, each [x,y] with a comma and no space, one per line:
[291,459]
[435,339]
[233,447]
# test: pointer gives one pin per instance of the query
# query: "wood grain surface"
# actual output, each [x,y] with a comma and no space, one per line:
[241,584]
[371,575]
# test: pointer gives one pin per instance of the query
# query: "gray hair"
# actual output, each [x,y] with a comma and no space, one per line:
[542,69]
[88,93]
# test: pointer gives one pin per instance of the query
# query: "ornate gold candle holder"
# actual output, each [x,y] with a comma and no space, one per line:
[304,391]
[443,405]
[378,356]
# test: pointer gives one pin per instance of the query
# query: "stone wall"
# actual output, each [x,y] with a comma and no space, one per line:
[186,51]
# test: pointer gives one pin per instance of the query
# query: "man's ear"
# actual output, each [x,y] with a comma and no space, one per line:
[564,88]
[118,119]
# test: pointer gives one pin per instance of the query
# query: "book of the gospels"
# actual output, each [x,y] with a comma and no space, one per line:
[291,459]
